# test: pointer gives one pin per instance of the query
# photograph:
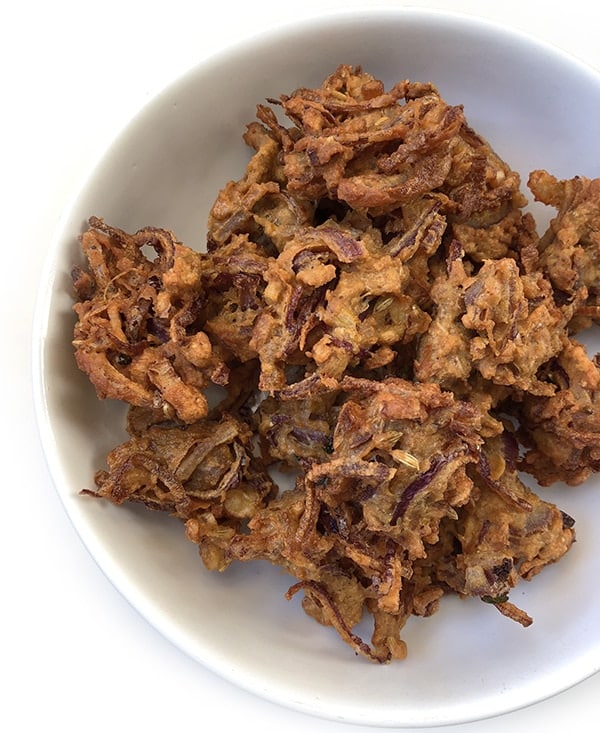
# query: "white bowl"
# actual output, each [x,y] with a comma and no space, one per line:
[539,108]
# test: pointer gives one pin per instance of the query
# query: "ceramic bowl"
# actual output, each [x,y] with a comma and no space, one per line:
[539,108]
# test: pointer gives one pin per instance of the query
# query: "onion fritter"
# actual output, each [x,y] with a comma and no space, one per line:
[349,380]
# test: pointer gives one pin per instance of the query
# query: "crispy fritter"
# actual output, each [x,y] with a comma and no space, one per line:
[562,431]
[514,325]
[376,150]
[383,476]
[504,533]
[335,300]
[384,328]
[570,249]
[205,474]
[133,336]
[498,322]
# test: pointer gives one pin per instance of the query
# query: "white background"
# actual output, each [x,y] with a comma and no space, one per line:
[73,653]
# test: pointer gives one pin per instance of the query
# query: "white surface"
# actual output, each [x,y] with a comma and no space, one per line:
[75,652]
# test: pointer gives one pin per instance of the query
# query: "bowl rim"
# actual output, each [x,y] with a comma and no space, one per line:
[41,313]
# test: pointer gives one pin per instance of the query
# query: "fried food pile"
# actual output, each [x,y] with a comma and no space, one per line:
[352,378]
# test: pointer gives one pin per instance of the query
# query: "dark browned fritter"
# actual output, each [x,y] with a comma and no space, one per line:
[378,319]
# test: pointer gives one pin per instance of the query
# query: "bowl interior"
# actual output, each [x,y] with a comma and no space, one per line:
[538,107]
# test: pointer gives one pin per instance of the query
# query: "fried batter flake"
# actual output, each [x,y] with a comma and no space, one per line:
[385,329]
